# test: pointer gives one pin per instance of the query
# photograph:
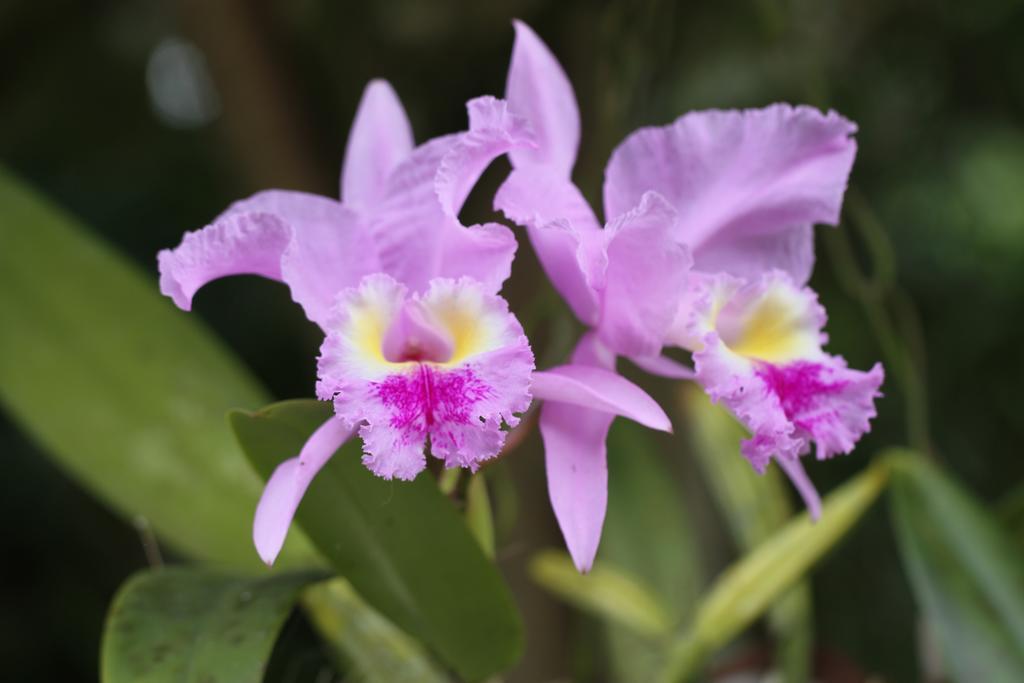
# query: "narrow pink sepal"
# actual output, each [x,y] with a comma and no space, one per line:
[576,460]
[557,219]
[794,469]
[538,89]
[380,139]
[576,463]
[287,485]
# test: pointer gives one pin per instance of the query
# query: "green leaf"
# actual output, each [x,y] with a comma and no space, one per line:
[754,507]
[647,530]
[402,545]
[124,390]
[751,585]
[605,592]
[376,649]
[647,534]
[478,513]
[180,625]
[966,572]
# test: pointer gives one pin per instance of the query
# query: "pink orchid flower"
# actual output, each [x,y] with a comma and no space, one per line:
[717,200]
[418,345]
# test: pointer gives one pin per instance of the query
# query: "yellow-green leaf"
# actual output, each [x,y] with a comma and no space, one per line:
[754,507]
[478,513]
[605,592]
[647,535]
[751,585]
[375,649]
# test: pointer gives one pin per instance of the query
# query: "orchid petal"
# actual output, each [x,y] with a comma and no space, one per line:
[645,274]
[576,462]
[329,250]
[406,225]
[538,89]
[313,244]
[235,244]
[493,130]
[601,390]
[576,459]
[749,255]
[737,175]
[288,484]
[380,139]
[482,252]
[794,469]
[663,366]
[557,219]
[417,231]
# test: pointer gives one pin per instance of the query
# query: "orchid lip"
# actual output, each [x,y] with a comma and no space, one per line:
[414,337]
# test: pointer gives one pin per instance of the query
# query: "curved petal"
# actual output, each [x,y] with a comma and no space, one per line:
[288,484]
[576,462]
[590,350]
[601,390]
[408,224]
[556,217]
[645,276]
[239,243]
[493,130]
[329,248]
[416,229]
[737,174]
[380,139]
[482,252]
[538,89]
[663,366]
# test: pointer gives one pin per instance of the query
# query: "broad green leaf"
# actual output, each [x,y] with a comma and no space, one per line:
[966,572]
[402,545]
[180,625]
[376,650]
[605,592]
[746,589]
[647,535]
[478,513]
[754,507]
[127,392]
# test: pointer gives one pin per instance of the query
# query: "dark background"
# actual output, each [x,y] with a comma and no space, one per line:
[147,118]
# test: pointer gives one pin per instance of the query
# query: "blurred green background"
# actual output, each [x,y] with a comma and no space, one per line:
[145,119]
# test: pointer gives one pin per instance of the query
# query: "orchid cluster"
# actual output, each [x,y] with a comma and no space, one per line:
[707,247]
